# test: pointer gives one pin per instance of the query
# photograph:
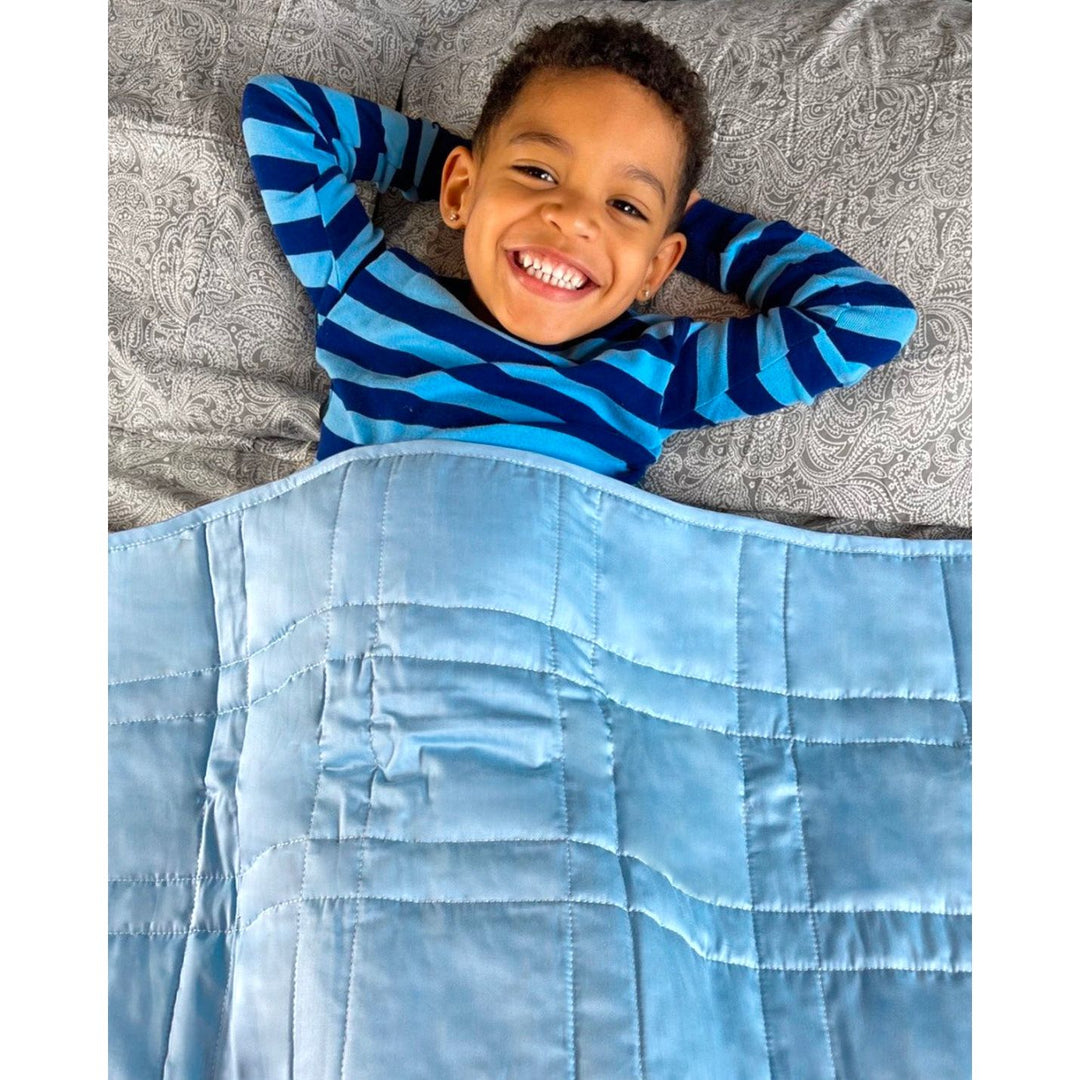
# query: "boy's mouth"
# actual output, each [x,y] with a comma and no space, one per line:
[548,275]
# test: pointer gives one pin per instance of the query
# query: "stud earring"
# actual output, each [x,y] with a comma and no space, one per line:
[648,293]
[453,215]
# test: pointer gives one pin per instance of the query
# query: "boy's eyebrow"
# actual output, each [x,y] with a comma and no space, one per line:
[635,172]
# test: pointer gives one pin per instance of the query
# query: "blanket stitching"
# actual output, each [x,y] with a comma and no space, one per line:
[809,741]
[784,617]
[222,1015]
[537,671]
[622,496]
[558,565]
[568,948]
[609,730]
[320,767]
[577,635]
[196,890]
[957,969]
[276,639]
[952,643]
[373,643]
[163,880]
[620,856]
[531,618]
[232,708]
[744,812]
[222,1011]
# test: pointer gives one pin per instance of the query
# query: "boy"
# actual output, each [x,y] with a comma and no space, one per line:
[577,198]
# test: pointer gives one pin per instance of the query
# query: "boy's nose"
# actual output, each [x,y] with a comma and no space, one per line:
[571,215]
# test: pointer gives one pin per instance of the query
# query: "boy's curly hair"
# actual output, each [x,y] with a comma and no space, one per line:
[623,46]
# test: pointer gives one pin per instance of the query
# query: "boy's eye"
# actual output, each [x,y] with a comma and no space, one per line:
[535,171]
[628,208]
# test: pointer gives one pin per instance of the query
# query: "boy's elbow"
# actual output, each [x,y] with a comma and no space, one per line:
[907,318]
[890,327]
[894,335]
[259,97]
[255,81]
[250,97]
[867,338]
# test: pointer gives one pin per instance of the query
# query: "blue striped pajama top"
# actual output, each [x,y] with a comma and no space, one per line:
[407,359]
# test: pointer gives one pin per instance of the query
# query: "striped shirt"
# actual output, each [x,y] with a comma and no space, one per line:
[407,359]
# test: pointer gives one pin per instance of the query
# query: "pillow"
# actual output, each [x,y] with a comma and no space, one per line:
[213,386]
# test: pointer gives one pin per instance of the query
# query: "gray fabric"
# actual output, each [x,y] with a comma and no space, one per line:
[847,117]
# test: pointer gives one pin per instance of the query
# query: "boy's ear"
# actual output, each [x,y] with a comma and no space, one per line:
[663,264]
[455,195]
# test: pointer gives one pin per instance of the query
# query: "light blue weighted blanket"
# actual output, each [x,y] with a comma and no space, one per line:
[448,761]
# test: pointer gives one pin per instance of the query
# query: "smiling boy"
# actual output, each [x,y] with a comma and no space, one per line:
[587,192]
[577,199]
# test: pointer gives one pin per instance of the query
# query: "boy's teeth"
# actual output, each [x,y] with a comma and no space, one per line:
[547,272]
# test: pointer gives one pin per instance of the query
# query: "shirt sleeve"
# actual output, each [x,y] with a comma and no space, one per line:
[823,321]
[308,145]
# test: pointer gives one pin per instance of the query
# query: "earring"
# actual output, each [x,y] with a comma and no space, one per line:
[648,293]
[453,215]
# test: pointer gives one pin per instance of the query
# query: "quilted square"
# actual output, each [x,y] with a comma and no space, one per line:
[841,644]
[885,825]
[264,958]
[276,774]
[870,719]
[900,1023]
[799,1042]
[168,583]
[674,780]
[326,944]
[163,837]
[481,977]
[697,1011]
[958,594]
[139,904]
[455,560]
[338,746]
[294,560]
[452,764]
[607,1027]
[695,639]
[139,1023]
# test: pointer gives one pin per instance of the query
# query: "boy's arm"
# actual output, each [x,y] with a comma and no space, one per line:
[823,320]
[308,145]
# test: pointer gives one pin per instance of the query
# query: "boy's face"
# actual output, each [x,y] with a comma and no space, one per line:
[579,177]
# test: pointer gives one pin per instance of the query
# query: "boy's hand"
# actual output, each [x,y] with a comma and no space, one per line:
[694,197]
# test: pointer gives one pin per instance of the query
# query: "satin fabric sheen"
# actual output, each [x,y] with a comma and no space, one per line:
[438,760]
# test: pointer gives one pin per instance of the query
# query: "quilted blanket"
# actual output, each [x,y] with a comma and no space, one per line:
[442,761]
